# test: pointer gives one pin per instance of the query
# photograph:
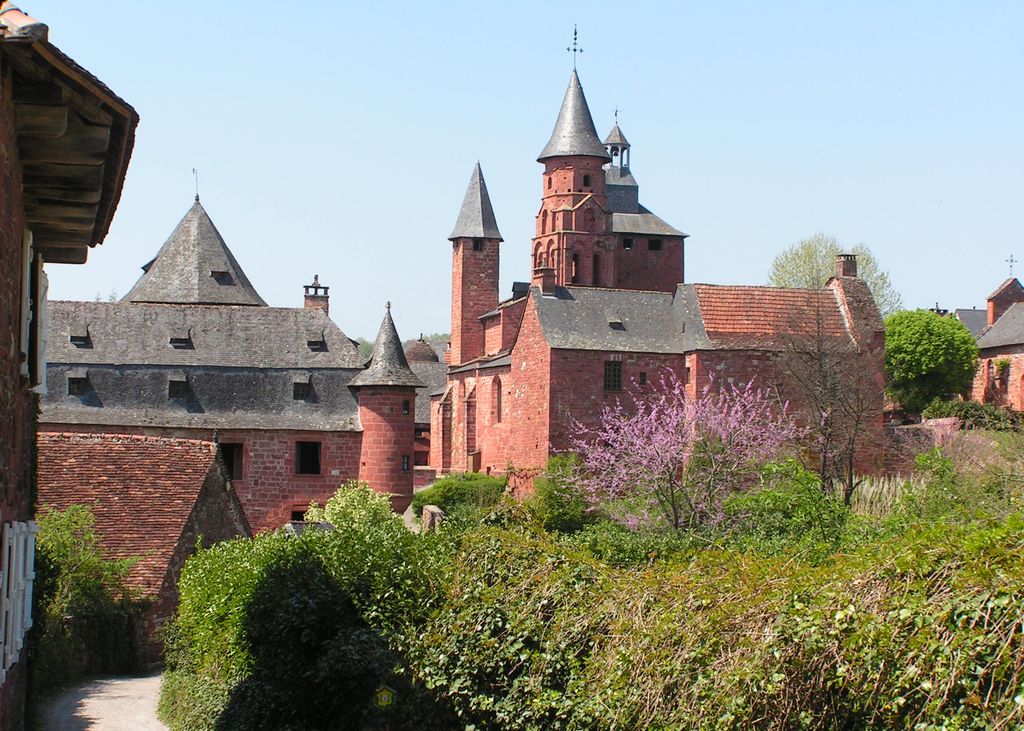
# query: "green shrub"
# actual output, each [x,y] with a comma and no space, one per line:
[283,631]
[86,616]
[615,545]
[470,491]
[556,502]
[974,415]
[791,510]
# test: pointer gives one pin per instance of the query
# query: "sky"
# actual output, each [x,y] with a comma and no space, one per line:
[337,138]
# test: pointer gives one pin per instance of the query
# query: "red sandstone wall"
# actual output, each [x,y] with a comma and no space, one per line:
[269,489]
[999,304]
[387,436]
[474,292]
[1005,388]
[511,318]
[17,425]
[641,268]
[492,334]
[215,517]
[528,395]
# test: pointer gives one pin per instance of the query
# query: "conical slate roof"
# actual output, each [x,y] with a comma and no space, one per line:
[388,366]
[615,137]
[476,218]
[195,266]
[574,132]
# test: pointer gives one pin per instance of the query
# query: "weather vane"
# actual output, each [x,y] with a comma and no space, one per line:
[195,174]
[1011,261]
[616,115]
[575,47]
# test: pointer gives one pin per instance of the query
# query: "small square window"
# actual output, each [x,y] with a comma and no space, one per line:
[298,516]
[317,346]
[654,244]
[405,463]
[406,406]
[80,341]
[307,458]
[77,386]
[300,391]
[612,375]
[627,244]
[177,389]
[478,245]
[232,454]
[643,378]
[222,277]
[182,343]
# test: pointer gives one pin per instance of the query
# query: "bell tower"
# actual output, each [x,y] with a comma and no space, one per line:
[573,227]
[475,240]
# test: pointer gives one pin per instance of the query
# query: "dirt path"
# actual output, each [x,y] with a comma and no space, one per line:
[111,704]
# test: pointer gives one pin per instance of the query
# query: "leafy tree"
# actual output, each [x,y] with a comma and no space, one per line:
[810,262]
[927,357]
[672,459]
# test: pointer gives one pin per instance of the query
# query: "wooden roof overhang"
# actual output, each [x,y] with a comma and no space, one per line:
[75,138]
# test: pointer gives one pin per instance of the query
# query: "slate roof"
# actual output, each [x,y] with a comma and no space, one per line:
[1011,282]
[194,266]
[240,366]
[240,337]
[476,217]
[141,489]
[695,317]
[574,132]
[643,222]
[433,375]
[615,137]
[974,320]
[1007,330]
[420,351]
[388,366]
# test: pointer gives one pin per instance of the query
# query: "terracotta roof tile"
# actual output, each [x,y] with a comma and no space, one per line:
[142,491]
[744,317]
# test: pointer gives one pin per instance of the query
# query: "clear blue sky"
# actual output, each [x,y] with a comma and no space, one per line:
[337,138]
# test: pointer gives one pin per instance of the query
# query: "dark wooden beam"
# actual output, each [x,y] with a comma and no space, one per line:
[36,119]
[65,256]
[82,144]
[42,192]
[73,177]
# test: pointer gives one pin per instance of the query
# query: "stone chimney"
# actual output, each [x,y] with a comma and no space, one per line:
[846,265]
[316,296]
[544,277]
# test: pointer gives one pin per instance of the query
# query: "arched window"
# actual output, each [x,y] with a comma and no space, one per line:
[575,268]
[496,398]
[589,219]
[549,182]
[538,256]
[597,270]
[544,222]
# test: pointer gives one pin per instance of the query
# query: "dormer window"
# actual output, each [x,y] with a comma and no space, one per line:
[317,346]
[222,277]
[300,391]
[77,385]
[615,323]
[182,343]
[177,388]
[81,341]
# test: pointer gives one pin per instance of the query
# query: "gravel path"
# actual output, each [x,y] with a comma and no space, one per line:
[111,704]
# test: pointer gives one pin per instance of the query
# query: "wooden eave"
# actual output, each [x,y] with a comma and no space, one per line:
[75,138]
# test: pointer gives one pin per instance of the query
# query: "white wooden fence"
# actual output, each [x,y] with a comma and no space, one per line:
[17,572]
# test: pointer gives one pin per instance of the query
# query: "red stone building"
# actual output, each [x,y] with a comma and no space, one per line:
[607,308]
[65,141]
[193,352]
[1000,375]
[153,498]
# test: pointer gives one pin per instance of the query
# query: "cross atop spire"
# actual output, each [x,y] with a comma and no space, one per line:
[1011,261]
[574,49]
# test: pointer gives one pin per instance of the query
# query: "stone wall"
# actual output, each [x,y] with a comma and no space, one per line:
[386,450]
[474,292]
[640,268]
[1002,387]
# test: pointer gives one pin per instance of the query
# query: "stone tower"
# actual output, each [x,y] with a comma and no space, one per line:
[475,240]
[573,228]
[386,392]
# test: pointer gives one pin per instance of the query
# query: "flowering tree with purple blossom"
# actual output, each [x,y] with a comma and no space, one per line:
[667,458]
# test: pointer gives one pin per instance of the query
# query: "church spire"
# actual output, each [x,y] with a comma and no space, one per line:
[476,217]
[574,133]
